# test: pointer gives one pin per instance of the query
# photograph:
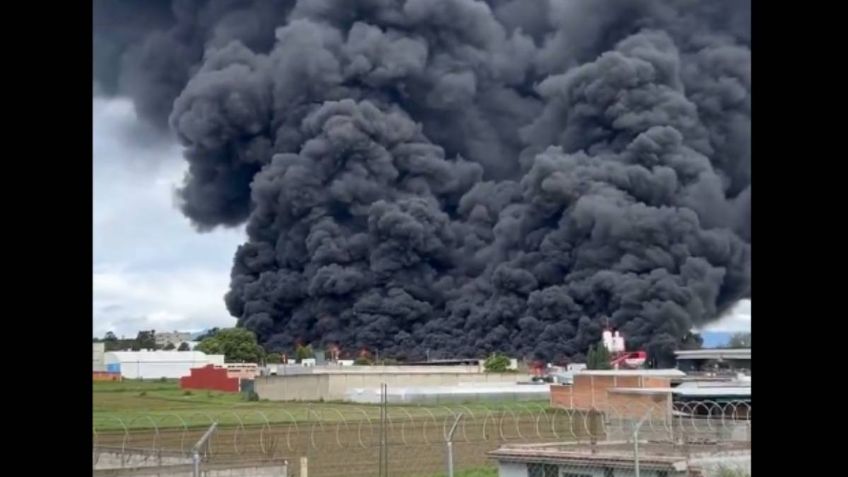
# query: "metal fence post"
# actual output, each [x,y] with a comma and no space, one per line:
[383,464]
[636,442]
[195,460]
[195,451]
[449,444]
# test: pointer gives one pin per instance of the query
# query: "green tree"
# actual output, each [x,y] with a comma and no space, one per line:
[273,358]
[303,352]
[110,336]
[184,347]
[238,345]
[598,358]
[145,339]
[496,363]
[591,358]
[740,340]
[602,358]
[169,347]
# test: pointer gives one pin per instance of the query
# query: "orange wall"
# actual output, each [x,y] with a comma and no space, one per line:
[634,406]
[592,392]
[105,376]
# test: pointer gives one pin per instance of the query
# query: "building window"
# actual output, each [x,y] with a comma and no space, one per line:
[662,473]
[544,470]
[608,472]
[575,475]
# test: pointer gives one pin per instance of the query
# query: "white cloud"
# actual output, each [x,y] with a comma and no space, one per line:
[152,270]
[126,301]
[736,320]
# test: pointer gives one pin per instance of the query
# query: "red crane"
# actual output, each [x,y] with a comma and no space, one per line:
[619,357]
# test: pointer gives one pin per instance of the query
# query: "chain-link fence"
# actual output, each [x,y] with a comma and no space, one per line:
[336,440]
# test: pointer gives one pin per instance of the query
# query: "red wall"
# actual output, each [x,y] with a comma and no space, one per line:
[105,376]
[210,377]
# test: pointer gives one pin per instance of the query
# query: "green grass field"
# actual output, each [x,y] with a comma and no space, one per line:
[133,404]
[339,438]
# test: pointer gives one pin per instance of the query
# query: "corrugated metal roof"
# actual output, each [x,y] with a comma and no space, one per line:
[641,390]
[731,353]
[664,373]
[713,391]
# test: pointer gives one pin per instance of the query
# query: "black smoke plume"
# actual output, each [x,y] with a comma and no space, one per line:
[457,176]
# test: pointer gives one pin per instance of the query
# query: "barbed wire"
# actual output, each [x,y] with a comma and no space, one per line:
[269,433]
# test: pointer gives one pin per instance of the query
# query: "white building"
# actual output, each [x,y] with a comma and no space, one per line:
[97,363]
[158,364]
[175,338]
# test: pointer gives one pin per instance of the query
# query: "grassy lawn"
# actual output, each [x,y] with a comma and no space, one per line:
[129,403]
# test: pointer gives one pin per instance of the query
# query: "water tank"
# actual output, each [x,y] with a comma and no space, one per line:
[617,343]
[607,340]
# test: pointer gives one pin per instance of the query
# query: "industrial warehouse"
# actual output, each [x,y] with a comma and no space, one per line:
[720,375]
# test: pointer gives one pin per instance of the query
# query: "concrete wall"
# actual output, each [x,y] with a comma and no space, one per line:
[330,368]
[185,470]
[137,462]
[512,469]
[333,387]
[459,369]
[97,362]
[712,466]
[115,459]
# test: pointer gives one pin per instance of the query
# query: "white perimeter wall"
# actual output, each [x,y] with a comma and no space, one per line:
[334,387]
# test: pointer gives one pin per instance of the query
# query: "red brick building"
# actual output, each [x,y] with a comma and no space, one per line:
[210,377]
[625,392]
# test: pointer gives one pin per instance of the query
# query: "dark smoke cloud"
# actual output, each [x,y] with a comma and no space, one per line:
[457,175]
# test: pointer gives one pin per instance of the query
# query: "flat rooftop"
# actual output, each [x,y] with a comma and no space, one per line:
[730,353]
[444,362]
[655,456]
[656,373]
[715,391]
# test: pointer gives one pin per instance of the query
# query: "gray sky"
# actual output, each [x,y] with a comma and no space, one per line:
[736,320]
[152,270]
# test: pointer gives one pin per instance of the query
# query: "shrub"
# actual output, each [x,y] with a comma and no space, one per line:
[496,363]
[724,471]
